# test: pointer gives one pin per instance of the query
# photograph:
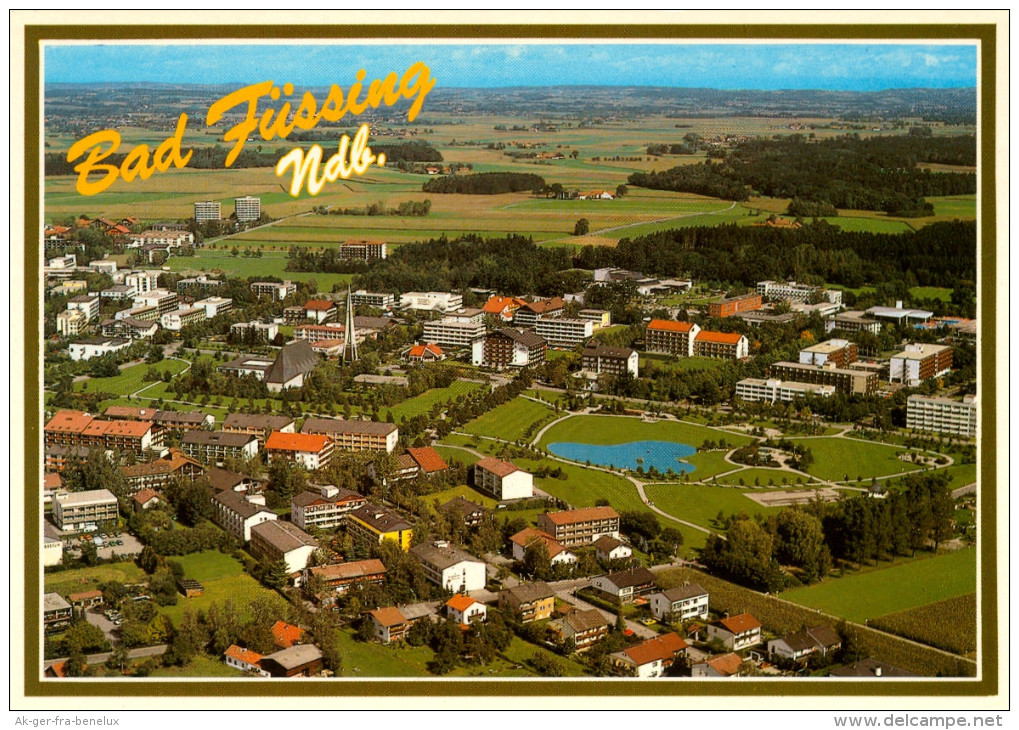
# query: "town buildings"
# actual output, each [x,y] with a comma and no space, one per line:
[528,601]
[919,363]
[563,332]
[207,210]
[365,250]
[247,208]
[450,567]
[839,352]
[756,390]
[238,512]
[674,338]
[78,511]
[736,632]
[942,415]
[610,360]
[274,540]
[325,507]
[682,603]
[851,382]
[212,447]
[510,348]
[580,526]
[502,480]
[733,305]
[374,524]
[355,435]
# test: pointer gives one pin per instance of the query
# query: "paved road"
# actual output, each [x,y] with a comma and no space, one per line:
[968,489]
[145,651]
[566,589]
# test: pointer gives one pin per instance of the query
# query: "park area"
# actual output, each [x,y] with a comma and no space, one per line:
[223,579]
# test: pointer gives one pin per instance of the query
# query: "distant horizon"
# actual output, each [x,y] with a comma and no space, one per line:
[731,67]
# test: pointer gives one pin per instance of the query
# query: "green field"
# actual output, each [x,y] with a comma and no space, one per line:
[622,429]
[208,566]
[707,464]
[511,420]
[868,224]
[955,206]
[701,504]
[266,265]
[837,458]
[423,403]
[130,378]
[464,457]
[462,491]
[931,292]
[759,477]
[227,582]
[202,665]
[892,589]
[79,580]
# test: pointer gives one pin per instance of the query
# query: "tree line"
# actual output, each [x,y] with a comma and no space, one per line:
[484,183]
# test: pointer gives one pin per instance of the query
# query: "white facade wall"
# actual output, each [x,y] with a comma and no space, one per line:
[464,577]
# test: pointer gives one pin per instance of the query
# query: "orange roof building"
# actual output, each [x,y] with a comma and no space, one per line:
[244,659]
[724,345]
[651,658]
[429,352]
[736,632]
[530,536]
[286,635]
[466,610]
[428,459]
[312,451]
[674,338]
[580,526]
[504,307]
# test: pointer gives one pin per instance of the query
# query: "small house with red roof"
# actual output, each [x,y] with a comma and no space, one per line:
[286,635]
[146,499]
[245,660]
[725,665]
[651,658]
[530,536]
[319,310]
[503,307]
[466,610]
[425,353]
[736,632]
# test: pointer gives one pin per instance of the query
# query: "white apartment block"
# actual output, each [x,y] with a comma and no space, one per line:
[77,511]
[248,208]
[275,290]
[920,362]
[568,333]
[215,305]
[502,480]
[372,299]
[451,332]
[432,301]
[208,210]
[942,415]
[71,322]
[793,292]
[754,390]
[142,281]
[178,319]
[88,304]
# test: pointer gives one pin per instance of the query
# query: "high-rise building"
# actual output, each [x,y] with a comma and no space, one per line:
[208,210]
[248,208]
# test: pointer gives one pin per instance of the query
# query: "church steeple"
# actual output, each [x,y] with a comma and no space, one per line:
[349,335]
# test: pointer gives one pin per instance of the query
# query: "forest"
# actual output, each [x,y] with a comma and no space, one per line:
[879,173]
[485,183]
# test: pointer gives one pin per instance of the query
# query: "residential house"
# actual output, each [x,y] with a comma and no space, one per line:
[502,480]
[277,291]
[682,603]
[529,312]
[802,644]
[528,601]
[583,628]
[56,613]
[610,360]
[558,555]
[389,624]
[287,635]
[609,548]
[465,610]
[86,599]
[724,345]
[303,660]
[469,513]
[449,567]
[626,586]
[146,499]
[244,660]
[324,506]
[373,524]
[724,665]
[342,576]
[651,658]
[736,632]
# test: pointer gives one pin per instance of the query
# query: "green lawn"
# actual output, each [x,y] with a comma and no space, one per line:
[707,464]
[866,223]
[266,265]
[701,504]
[130,379]
[201,666]
[931,292]
[239,588]
[462,491]
[371,659]
[85,579]
[759,477]
[623,429]
[958,206]
[464,457]
[835,458]
[893,588]
[423,403]
[511,420]
[208,566]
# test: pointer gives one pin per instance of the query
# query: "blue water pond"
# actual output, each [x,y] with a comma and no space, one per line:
[662,455]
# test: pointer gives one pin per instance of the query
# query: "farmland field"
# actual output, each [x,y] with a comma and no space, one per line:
[894,588]
[950,624]
[244,267]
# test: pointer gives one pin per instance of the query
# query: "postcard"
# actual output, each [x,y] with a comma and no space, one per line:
[513,359]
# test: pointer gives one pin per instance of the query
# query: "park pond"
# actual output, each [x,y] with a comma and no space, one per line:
[662,455]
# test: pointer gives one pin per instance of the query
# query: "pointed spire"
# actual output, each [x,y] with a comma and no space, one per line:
[349,335]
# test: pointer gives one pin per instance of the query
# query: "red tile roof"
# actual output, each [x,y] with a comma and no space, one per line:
[134,429]
[243,655]
[279,441]
[727,664]
[420,350]
[428,459]
[388,616]
[145,495]
[529,535]
[319,304]
[497,466]
[496,305]
[740,623]
[51,480]
[460,602]
[665,324]
[660,648]
[725,338]
[286,635]
[582,515]
[69,422]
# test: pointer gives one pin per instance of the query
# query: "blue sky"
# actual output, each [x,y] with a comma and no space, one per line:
[860,67]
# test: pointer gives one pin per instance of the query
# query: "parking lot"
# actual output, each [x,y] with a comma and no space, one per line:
[108,545]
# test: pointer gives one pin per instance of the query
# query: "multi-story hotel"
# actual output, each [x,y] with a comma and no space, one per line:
[502,480]
[355,435]
[87,304]
[562,332]
[214,306]
[853,382]
[76,511]
[237,512]
[164,301]
[71,322]
[325,508]
[257,331]
[433,301]
[312,451]
[942,415]
[530,312]
[510,348]
[580,526]
[793,292]
[363,250]
[178,319]
[248,208]
[920,362]
[755,390]
[372,299]
[724,345]
[158,473]
[274,540]
[450,567]
[451,332]
[275,290]
[212,447]
[674,338]
[208,210]
[76,429]
[257,424]
[839,352]
[732,305]
[373,524]
[853,321]
[610,360]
